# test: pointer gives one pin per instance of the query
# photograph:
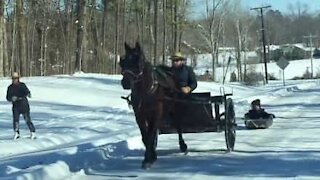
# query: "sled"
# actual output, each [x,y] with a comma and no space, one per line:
[261,123]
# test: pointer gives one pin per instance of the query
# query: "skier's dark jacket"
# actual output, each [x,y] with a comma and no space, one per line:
[21,91]
[185,76]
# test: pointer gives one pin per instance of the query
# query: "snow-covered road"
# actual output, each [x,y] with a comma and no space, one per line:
[85,131]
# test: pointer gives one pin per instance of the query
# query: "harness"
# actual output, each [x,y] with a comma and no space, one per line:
[138,77]
[154,82]
[155,74]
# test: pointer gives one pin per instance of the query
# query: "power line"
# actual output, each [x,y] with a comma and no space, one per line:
[263,39]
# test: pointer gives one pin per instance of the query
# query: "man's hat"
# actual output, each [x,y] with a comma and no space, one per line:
[255,102]
[177,56]
[15,75]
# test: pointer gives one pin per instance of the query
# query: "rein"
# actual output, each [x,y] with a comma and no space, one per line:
[192,101]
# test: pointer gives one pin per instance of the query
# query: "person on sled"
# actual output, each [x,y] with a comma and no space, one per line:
[257,112]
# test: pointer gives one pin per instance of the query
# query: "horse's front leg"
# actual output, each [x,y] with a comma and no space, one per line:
[183,146]
[153,131]
[147,139]
[150,155]
[143,130]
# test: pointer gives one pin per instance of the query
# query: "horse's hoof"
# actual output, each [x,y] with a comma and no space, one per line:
[153,160]
[184,148]
[146,165]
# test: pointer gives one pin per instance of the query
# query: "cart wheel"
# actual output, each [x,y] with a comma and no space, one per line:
[230,125]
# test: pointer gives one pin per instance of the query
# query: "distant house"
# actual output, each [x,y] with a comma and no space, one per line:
[316,53]
[290,51]
[274,53]
[286,48]
[251,57]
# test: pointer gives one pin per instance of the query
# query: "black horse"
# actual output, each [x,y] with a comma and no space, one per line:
[150,88]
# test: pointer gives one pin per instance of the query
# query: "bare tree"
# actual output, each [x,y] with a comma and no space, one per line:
[155,51]
[116,46]
[96,47]
[81,20]
[176,26]
[211,30]
[164,41]
[43,37]
[21,38]
[3,43]
[242,23]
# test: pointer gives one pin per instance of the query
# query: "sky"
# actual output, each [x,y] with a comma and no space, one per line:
[198,6]
[85,131]
[282,5]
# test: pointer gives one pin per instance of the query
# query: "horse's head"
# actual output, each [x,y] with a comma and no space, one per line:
[131,65]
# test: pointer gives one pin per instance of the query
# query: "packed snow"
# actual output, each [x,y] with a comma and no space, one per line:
[86,131]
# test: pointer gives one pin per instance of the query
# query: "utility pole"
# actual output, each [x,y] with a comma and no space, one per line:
[310,37]
[263,39]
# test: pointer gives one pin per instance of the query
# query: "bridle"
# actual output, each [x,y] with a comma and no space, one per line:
[136,77]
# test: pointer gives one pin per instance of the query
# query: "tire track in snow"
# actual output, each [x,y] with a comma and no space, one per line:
[98,141]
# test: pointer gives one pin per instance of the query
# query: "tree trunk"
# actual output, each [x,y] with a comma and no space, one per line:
[181,23]
[123,24]
[116,41]
[70,31]
[45,51]
[239,47]
[41,52]
[12,63]
[143,20]
[214,33]
[81,20]
[176,26]
[104,19]
[212,38]
[155,32]
[151,31]
[63,26]
[2,42]
[21,38]
[138,21]
[164,32]
[104,65]
[5,53]
[95,54]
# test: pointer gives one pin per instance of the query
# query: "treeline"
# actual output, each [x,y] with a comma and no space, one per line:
[44,37]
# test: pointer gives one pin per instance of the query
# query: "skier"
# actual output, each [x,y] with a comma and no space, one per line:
[17,93]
